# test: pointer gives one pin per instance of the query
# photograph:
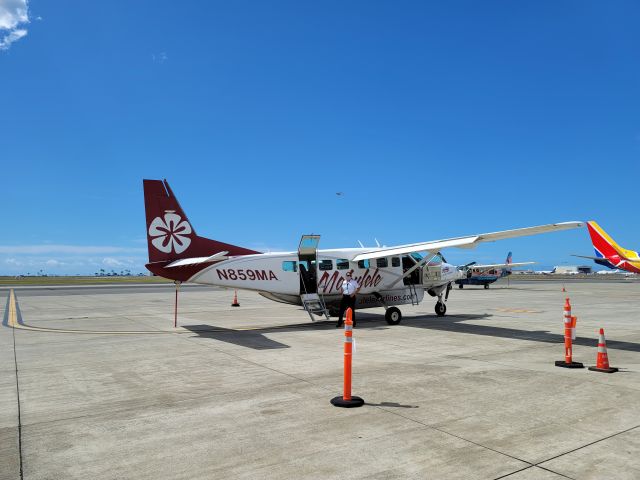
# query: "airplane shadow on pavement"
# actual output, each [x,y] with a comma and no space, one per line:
[257,339]
[245,338]
[454,323]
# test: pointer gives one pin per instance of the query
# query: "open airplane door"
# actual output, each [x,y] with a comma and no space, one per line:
[307,261]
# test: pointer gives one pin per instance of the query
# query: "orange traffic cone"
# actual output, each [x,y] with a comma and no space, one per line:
[347,400]
[602,360]
[563,289]
[235,299]
[569,334]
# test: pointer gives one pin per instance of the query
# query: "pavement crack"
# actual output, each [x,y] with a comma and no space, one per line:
[532,466]
[431,427]
[587,445]
[15,360]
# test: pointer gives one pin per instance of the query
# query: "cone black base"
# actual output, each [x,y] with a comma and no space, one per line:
[562,363]
[341,402]
[604,370]
[235,304]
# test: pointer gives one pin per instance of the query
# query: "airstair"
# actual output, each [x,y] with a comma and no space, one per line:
[314,305]
[413,293]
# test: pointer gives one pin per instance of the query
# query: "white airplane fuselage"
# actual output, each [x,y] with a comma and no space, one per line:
[278,276]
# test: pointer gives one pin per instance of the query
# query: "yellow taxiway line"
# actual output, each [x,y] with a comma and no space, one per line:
[13,314]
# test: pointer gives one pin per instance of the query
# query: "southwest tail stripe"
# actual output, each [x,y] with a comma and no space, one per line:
[603,244]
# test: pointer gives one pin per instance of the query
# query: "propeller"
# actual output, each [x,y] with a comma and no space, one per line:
[465,268]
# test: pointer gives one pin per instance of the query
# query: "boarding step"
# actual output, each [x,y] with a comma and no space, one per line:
[314,305]
[414,294]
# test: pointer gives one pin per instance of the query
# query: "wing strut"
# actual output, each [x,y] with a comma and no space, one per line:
[417,265]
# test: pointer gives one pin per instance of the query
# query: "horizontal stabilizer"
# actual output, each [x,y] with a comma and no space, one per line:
[197,260]
[586,256]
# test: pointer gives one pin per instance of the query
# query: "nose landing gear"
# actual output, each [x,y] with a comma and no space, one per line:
[441,307]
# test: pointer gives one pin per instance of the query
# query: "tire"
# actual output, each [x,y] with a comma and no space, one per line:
[486,286]
[460,286]
[441,309]
[393,316]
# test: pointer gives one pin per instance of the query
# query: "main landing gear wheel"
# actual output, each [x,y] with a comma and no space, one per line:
[393,316]
[441,309]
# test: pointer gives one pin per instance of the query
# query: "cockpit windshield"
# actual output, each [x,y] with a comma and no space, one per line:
[435,260]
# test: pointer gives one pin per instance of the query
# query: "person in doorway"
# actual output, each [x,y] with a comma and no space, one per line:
[349,289]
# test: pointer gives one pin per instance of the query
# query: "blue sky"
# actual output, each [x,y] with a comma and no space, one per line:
[436,119]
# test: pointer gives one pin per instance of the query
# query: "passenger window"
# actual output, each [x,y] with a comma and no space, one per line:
[363,263]
[325,265]
[289,266]
[395,262]
[342,264]
[382,263]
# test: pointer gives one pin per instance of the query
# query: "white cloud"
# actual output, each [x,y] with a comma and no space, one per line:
[160,57]
[14,35]
[13,15]
[68,249]
[65,264]
[53,263]
[113,262]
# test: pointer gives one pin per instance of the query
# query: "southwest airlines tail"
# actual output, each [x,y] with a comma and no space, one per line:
[609,253]
[603,244]
[175,250]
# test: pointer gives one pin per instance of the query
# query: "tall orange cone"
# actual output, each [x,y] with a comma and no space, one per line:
[602,360]
[235,299]
[569,334]
[347,400]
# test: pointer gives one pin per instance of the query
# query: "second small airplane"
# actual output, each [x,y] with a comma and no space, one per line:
[487,274]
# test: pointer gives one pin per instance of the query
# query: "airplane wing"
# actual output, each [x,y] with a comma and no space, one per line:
[464,242]
[501,265]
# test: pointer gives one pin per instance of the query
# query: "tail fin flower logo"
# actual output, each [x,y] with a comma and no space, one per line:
[170,233]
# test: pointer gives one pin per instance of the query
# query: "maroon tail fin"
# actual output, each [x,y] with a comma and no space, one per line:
[170,235]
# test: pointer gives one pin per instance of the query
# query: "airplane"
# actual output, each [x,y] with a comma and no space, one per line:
[608,253]
[308,277]
[545,272]
[487,274]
